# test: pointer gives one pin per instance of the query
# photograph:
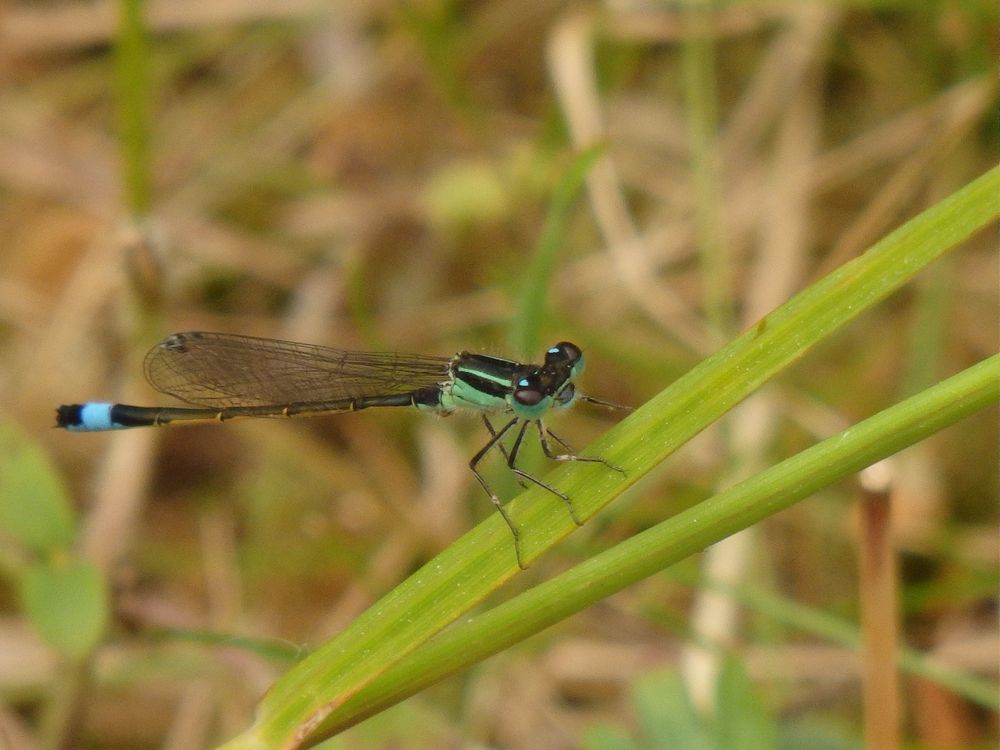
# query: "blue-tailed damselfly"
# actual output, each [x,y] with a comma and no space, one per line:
[227,376]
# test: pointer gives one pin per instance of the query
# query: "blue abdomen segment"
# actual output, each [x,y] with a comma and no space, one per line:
[93,416]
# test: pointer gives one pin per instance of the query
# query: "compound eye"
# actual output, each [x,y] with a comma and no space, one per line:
[563,353]
[566,395]
[528,391]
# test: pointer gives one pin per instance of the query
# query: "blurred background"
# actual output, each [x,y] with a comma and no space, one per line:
[378,175]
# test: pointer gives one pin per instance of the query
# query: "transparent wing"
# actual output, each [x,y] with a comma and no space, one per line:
[222,369]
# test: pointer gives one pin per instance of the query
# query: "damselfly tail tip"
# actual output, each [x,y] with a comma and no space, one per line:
[68,415]
[94,416]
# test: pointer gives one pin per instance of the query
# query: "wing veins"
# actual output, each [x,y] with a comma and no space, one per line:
[218,370]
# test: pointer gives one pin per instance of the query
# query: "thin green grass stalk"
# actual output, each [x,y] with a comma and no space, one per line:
[700,97]
[132,85]
[271,649]
[298,706]
[525,331]
[928,334]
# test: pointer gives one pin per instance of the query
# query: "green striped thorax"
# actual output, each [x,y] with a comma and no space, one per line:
[491,384]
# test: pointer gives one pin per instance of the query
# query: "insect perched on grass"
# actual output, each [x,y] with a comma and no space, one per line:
[227,376]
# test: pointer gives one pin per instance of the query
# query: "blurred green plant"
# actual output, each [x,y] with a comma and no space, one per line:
[666,720]
[64,598]
[132,89]
[525,329]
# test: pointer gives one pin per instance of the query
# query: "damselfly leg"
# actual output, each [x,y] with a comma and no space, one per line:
[496,436]
[510,456]
[544,432]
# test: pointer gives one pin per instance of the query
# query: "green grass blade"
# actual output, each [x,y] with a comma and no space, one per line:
[684,534]
[132,79]
[301,704]
[526,328]
[700,77]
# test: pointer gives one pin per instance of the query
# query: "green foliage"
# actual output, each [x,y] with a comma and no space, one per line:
[132,79]
[525,330]
[67,601]
[34,507]
[666,720]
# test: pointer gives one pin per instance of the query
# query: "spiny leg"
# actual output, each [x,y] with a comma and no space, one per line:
[521,473]
[516,447]
[544,433]
[559,440]
[495,436]
[503,448]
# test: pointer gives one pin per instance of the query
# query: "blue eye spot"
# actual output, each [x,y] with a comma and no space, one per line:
[523,382]
[553,350]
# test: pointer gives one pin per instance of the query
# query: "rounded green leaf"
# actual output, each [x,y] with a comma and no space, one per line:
[34,507]
[67,602]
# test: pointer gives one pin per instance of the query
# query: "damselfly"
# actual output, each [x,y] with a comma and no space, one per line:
[227,376]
